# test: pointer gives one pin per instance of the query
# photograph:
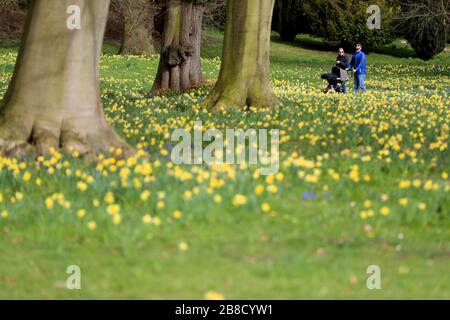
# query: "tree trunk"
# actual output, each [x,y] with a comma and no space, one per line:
[287,20]
[138,28]
[53,100]
[244,75]
[179,64]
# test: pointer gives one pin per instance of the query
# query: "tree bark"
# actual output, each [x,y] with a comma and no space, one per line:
[244,78]
[138,28]
[180,64]
[53,100]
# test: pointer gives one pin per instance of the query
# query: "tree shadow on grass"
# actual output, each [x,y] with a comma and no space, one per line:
[398,48]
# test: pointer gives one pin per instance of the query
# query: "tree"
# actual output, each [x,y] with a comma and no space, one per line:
[180,63]
[12,13]
[215,13]
[53,100]
[288,16]
[14,5]
[425,24]
[138,26]
[244,75]
[345,22]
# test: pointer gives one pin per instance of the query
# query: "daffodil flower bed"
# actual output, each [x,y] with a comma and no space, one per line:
[356,171]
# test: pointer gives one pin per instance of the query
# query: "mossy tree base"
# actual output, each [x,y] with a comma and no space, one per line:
[180,64]
[244,75]
[53,100]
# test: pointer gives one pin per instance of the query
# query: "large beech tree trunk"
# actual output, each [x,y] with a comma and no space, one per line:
[138,27]
[244,75]
[53,100]
[180,65]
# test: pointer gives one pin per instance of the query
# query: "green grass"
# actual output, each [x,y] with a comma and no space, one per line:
[314,242]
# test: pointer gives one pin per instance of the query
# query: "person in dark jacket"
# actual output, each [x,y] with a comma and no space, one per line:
[342,62]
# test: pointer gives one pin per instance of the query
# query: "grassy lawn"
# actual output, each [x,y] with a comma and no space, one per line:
[364,180]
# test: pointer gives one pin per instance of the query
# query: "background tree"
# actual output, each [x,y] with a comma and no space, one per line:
[345,22]
[215,14]
[53,100]
[12,15]
[425,24]
[244,75]
[288,19]
[180,63]
[138,25]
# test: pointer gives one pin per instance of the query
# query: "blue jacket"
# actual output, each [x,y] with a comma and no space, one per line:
[359,62]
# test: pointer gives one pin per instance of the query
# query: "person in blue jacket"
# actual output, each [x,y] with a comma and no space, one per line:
[358,65]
